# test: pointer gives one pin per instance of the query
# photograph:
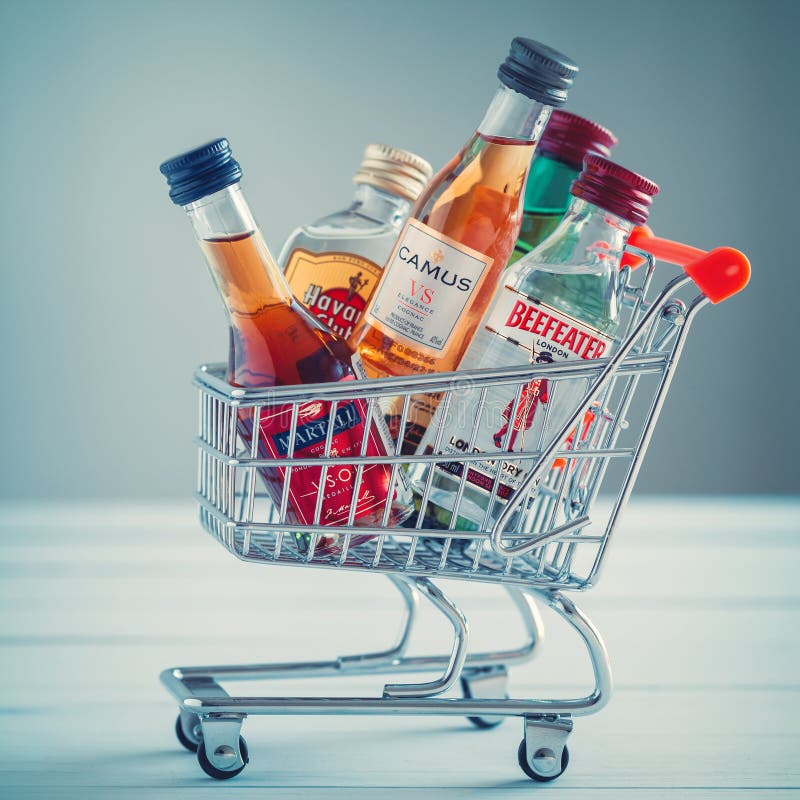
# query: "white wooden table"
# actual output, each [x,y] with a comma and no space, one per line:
[699,606]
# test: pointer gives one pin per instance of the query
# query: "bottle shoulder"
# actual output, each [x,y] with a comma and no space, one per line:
[348,223]
[342,227]
[344,234]
[587,292]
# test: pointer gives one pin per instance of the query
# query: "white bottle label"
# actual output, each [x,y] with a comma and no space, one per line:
[538,328]
[540,334]
[427,283]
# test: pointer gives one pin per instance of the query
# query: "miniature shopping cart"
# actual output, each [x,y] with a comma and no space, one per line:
[551,537]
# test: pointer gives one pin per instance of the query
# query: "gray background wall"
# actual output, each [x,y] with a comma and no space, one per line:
[106,303]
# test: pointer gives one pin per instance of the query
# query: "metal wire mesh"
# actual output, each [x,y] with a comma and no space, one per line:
[549,532]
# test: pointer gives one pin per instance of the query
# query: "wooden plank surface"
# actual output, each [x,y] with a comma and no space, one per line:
[699,606]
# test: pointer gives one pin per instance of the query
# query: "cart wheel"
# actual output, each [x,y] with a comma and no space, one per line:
[190,741]
[482,723]
[544,754]
[223,774]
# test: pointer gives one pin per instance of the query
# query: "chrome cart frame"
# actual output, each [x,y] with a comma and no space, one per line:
[549,539]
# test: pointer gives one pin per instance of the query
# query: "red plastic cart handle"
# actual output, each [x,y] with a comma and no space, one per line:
[718,273]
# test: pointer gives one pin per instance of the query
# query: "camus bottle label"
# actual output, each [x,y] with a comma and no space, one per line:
[539,334]
[427,284]
[335,287]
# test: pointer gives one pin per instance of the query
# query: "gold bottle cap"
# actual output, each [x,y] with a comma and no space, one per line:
[394,170]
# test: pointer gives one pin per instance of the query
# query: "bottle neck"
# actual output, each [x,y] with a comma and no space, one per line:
[379,205]
[240,262]
[549,181]
[587,236]
[512,115]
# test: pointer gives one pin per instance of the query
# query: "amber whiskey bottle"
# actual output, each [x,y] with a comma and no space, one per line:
[275,341]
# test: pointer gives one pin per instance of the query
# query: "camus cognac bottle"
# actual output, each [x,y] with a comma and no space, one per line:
[333,265]
[275,341]
[452,251]
[558,303]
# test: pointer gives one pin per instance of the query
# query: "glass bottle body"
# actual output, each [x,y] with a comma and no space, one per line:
[546,201]
[558,303]
[334,264]
[275,341]
[441,274]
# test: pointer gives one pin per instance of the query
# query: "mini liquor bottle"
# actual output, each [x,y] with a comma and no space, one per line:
[334,264]
[275,341]
[558,303]
[452,251]
[558,160]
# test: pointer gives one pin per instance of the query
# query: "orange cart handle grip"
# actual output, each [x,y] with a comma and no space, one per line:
[719,273]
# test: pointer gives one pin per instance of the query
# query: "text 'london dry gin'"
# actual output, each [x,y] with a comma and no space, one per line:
[561,302]
[452,251]
[333,265]
[275,341]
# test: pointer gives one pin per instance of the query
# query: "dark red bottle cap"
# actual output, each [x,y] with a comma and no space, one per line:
[571,138]
[614,188]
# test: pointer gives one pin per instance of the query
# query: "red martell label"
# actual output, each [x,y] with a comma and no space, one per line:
[313,421]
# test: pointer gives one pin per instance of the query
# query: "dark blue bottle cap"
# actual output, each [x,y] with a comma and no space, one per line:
[538,72]
[201,172]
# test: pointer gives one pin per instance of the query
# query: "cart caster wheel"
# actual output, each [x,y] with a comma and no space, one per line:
[482,723]
[191,741]
[542,759]
[223,774]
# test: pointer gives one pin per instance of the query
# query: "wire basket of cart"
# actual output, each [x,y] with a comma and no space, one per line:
[548,536]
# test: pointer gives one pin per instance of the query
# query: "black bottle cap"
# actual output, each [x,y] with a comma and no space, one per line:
[538,72]
[200,172]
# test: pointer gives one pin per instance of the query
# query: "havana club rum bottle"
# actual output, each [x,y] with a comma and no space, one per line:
[558,160]
[451,252]
[558,303]
[275,341]
[334,264]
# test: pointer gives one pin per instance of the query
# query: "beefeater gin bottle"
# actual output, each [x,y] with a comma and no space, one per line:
[558,303]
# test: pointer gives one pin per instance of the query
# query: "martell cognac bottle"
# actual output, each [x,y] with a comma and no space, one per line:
[452,251]
[275,341]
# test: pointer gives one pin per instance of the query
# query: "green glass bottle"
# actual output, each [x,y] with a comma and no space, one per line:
[558,160]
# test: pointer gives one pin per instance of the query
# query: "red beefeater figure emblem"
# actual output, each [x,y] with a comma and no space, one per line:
[533,394]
